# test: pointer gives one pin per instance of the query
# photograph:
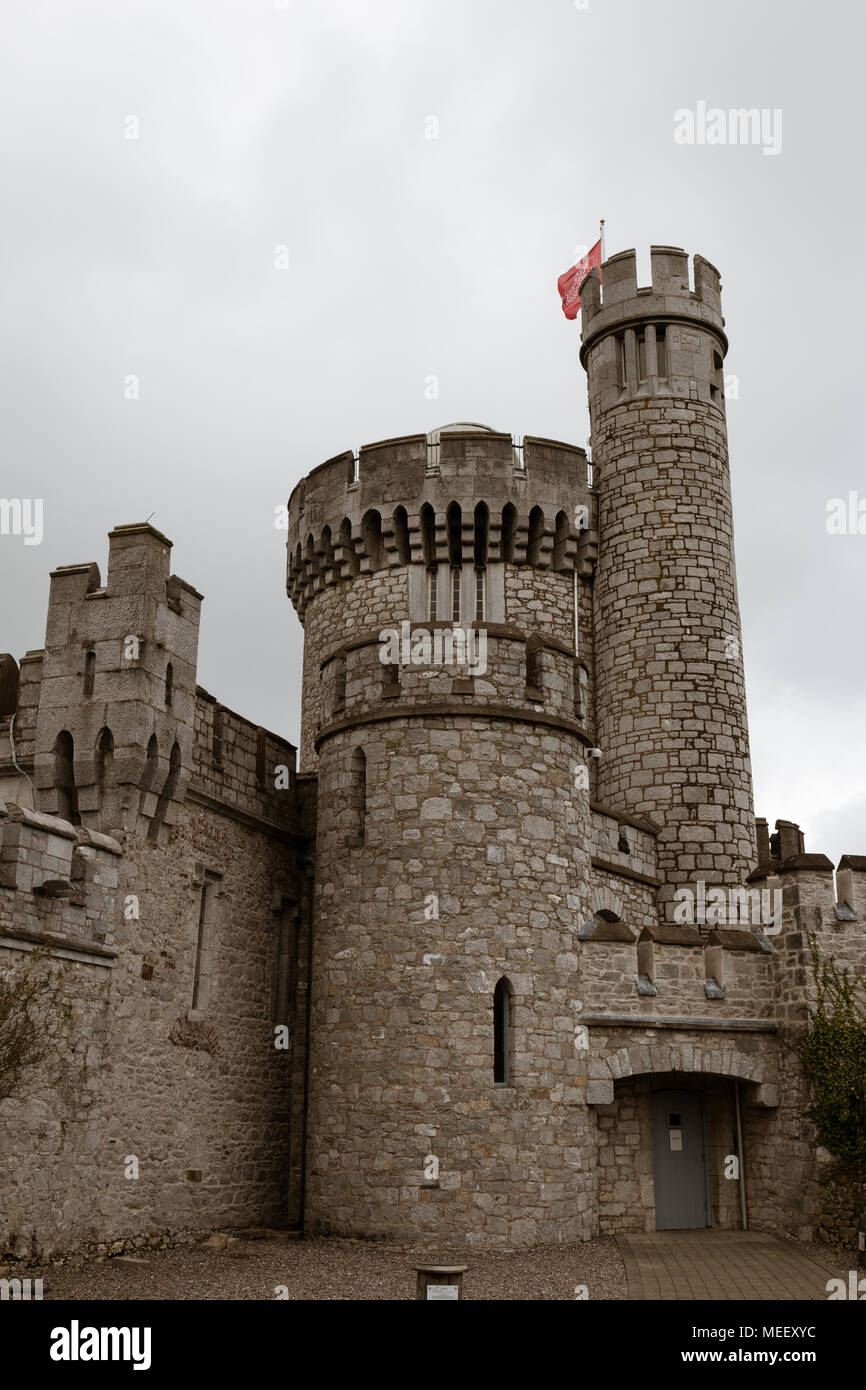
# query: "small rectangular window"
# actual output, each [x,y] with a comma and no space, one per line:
[340,684]
[479,595]
[661,350]
[455,596]
[641,356]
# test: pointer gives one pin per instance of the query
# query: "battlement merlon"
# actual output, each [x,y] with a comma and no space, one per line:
[613,302]
[331,510]
[142,595]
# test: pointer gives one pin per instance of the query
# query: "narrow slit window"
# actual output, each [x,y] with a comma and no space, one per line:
[455,595]
[89,673]
[432,578]
[661,350]
[339,684]
[641,356]
[358,798]
[502,1033]
[204,942]
[479,595]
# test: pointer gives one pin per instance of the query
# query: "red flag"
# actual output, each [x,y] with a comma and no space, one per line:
[569,284]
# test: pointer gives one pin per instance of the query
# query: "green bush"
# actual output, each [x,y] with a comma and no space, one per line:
[833,1058]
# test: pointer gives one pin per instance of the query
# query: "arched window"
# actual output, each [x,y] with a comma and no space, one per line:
[536,533]
[165,796]
[428,534]
[349,556]
[454,517]
[104,759]
[169,685]
[357,798]
[89,673]
[503,1009]
[64,778]
[371,530]
[148,776]
[509,526]
[482,524]
[560,541]
[326,550]
[401,535]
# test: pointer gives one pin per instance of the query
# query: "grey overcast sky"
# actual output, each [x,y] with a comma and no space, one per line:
[307,125]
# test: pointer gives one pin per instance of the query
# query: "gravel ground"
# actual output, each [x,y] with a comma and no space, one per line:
[335,1269]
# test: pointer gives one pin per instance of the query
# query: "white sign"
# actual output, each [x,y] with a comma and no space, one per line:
[437,1291]
[676,1140]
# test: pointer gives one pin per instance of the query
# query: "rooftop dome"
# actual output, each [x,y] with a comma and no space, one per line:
[462,427]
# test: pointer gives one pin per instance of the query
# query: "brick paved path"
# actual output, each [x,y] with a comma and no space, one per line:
[724,1264]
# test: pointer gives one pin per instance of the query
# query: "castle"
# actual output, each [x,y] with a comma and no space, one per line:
[507,959]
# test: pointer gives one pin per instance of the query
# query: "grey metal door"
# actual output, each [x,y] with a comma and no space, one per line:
[679,1160]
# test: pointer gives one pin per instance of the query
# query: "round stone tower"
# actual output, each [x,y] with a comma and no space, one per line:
[670,694]
[447,711]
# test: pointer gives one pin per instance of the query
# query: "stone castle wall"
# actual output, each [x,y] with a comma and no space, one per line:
[202,1105]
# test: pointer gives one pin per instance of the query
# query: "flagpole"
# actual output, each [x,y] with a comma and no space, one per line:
[601,227]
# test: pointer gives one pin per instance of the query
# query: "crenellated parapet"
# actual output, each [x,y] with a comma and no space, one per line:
[116,703]
[464,496]
[664,339]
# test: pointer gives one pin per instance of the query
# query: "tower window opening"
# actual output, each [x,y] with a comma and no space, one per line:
[428,534]
[104,760]
[641,356]
[479,595]
[454,519]
[580,692]
[502,1032]
[401,536]
[455,595]
[64,778]
[661,350]
[169,685]
[482,527]
[283,984]
[358,798]
[620,361]
[560,541]
[204,941]
[432,578]
[534,677]
[536,535]
[339,684]
[89,673]
[169,789]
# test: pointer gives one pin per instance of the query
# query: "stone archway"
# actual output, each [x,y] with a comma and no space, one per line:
[720,1058]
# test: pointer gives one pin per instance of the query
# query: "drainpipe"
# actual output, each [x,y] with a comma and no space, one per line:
[744,1216]
[308,915]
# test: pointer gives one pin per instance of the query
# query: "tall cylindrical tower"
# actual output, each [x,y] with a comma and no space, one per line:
[670,694]
[447,1077]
